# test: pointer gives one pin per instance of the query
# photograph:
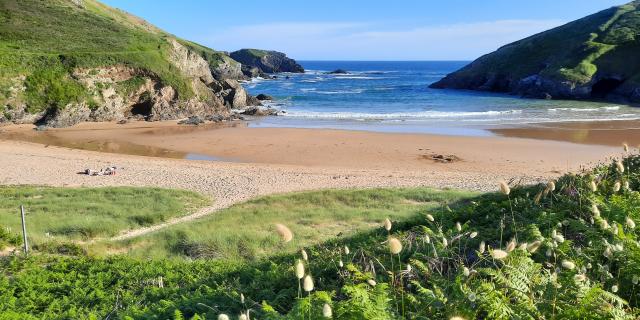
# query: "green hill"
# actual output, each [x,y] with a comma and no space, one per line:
[66,61]
[595,57]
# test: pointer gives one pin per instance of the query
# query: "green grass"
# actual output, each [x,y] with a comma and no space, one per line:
[47,40]
[56,215]
[246,231]
[599,43]
[583,268]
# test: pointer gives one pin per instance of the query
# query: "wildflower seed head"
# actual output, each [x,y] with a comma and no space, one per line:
[223,316]
[387,224]
[299,269]
[630,223]
[593,186]
[307,284]
[569,265]
[341,264]
[473,234]
[445,243]
[430,218]
[533,247]
[626,186]
[625,147]
[395,246]
[346,250]
[579,278]
[481,248]
[595,210]
[523,246]
[326,311]
[372,282]
[243,316]
[304,254]
[620,166]
[499,254]
[466,271]
[504,188]
[511,245]
[458,226]
[457,318]
[427,239]
[617,186]
[285,233]
[551,186]
[614,288]
[242,298]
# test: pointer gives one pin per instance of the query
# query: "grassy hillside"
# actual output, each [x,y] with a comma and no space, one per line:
[45,41]
[58,215]
[563,250]
[239,233]
[598,47]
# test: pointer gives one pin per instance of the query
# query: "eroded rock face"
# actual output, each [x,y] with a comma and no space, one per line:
[190,63]
[228,69]
[119,92]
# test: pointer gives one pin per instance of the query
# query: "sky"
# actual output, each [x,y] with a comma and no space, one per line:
[361,29]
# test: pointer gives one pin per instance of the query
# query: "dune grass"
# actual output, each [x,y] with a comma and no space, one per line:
[63,214]
[246,231]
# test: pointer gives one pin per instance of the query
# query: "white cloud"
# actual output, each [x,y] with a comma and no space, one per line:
[337,40]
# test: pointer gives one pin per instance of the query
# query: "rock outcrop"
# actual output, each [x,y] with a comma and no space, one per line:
[256,61]
[594,58]
[161,78]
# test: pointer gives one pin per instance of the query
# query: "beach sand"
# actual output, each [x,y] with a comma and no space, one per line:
[254,162]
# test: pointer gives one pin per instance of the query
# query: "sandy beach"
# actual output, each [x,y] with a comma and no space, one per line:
[255,161]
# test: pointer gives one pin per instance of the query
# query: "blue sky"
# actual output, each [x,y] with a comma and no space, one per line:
[361,29]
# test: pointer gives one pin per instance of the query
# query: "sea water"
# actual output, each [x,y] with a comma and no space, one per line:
[395,96]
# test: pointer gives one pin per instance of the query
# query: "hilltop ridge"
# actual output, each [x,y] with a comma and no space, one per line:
[593,58]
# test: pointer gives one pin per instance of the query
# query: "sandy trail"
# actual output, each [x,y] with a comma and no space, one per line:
[380,160]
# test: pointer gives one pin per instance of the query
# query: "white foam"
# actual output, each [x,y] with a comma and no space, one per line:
[398,115]
[613,108]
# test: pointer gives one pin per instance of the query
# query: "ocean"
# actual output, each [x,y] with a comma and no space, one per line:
[394,96]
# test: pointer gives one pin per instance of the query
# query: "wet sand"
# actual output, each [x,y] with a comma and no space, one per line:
[608,133]
[326,148]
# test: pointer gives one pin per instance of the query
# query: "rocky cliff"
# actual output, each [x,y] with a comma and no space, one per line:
[594,58]
[67,61]
[257,62]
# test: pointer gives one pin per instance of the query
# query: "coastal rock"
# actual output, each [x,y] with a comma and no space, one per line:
[263,96]
[70,115]
[260,112]
[237,96]
[227,68]
[190,63]
[193,120]
[556,64]
[265,61]
[338,71]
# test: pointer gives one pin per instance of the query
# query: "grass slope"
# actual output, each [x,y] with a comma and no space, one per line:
[604,43]
[245,232]
[46,40]
[571,251]
[57,215]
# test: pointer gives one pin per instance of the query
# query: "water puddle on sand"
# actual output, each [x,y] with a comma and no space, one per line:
[107,146]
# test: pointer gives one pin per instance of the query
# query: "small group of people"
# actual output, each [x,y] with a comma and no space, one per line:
[110,171]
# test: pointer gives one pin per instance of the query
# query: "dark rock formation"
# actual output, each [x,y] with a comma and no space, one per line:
[263,96]
[265,62]
[338,71]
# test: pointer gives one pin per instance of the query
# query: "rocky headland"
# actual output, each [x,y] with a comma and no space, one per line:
[593,58]
[74,61]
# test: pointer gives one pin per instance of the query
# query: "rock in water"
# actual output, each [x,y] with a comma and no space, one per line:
[265,62]
[338,71]
[263,97]
[592,58]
